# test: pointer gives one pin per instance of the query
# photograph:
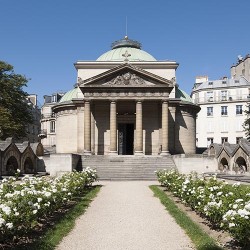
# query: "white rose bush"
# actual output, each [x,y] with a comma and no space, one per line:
[23,203]
[226,206]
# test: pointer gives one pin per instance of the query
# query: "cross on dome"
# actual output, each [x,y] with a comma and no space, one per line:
[126,55]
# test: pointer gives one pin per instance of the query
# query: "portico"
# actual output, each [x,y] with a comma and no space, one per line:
[126,128]
[131,89]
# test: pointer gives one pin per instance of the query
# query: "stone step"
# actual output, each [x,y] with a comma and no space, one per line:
[127,167]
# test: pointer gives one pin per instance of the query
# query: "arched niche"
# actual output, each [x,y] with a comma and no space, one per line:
[223,165]
[240,165]
[28,166]
[11,165]
[224,161]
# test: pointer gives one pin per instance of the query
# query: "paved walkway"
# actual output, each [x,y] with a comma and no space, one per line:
[126,215]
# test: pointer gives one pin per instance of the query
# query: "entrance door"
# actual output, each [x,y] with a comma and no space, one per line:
[125,139]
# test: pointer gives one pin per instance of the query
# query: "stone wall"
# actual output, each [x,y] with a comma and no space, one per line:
[66,130]
[198,163]
[185,131]
[58,164]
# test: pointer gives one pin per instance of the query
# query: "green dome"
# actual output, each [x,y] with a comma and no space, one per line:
[119,48]
[69,96]
[180,94]
[116,55]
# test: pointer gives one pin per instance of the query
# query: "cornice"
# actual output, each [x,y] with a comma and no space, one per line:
[109,65]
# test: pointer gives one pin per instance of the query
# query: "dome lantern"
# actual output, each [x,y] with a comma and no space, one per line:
[126,42]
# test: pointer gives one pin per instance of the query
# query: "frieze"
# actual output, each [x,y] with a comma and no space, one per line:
[125,94]
[126,79]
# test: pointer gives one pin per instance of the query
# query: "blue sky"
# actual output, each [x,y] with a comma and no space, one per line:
[43,39]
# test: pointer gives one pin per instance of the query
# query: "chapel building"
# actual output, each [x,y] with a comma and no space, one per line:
[126,103]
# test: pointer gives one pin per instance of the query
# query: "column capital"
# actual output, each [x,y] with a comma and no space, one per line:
[164,100]
[139,100]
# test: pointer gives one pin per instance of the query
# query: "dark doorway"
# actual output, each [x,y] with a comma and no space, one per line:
[11,166]
[28,166]
[241,165]
[125,139]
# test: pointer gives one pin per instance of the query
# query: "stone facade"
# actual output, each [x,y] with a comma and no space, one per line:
[22,156]
[241,68]
[231,158]
[47,133]
[223,104]
[33,129]
[126,110]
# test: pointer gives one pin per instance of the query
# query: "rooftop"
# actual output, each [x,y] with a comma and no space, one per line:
[223,83]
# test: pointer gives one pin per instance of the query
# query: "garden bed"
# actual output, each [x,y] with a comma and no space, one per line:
[222,207]
[28,208]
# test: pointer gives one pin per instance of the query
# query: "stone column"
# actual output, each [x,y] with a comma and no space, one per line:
[139,131]
[113,129]
[92,129]
[87,128]
[164,123]
[80,128]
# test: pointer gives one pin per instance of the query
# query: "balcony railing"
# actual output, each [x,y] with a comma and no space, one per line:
[47,115]
[229,98]
[42,133]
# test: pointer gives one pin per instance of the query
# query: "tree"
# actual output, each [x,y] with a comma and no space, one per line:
[246,124]
[15,112]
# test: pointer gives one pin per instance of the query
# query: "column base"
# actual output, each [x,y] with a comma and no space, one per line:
[113,153]
[139,153]
[87,152]
[165,153]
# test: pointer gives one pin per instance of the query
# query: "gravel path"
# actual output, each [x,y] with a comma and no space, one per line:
[126,215]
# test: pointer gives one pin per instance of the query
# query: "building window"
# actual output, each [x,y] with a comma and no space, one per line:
[209,111]
[210,83]
[52,126]
[210,96]
[238,109]
[223,110]
[224,95]
[53,98]
[238,139]
[224,139]
[210,140]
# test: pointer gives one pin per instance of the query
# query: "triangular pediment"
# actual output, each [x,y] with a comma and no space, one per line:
[126,75]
